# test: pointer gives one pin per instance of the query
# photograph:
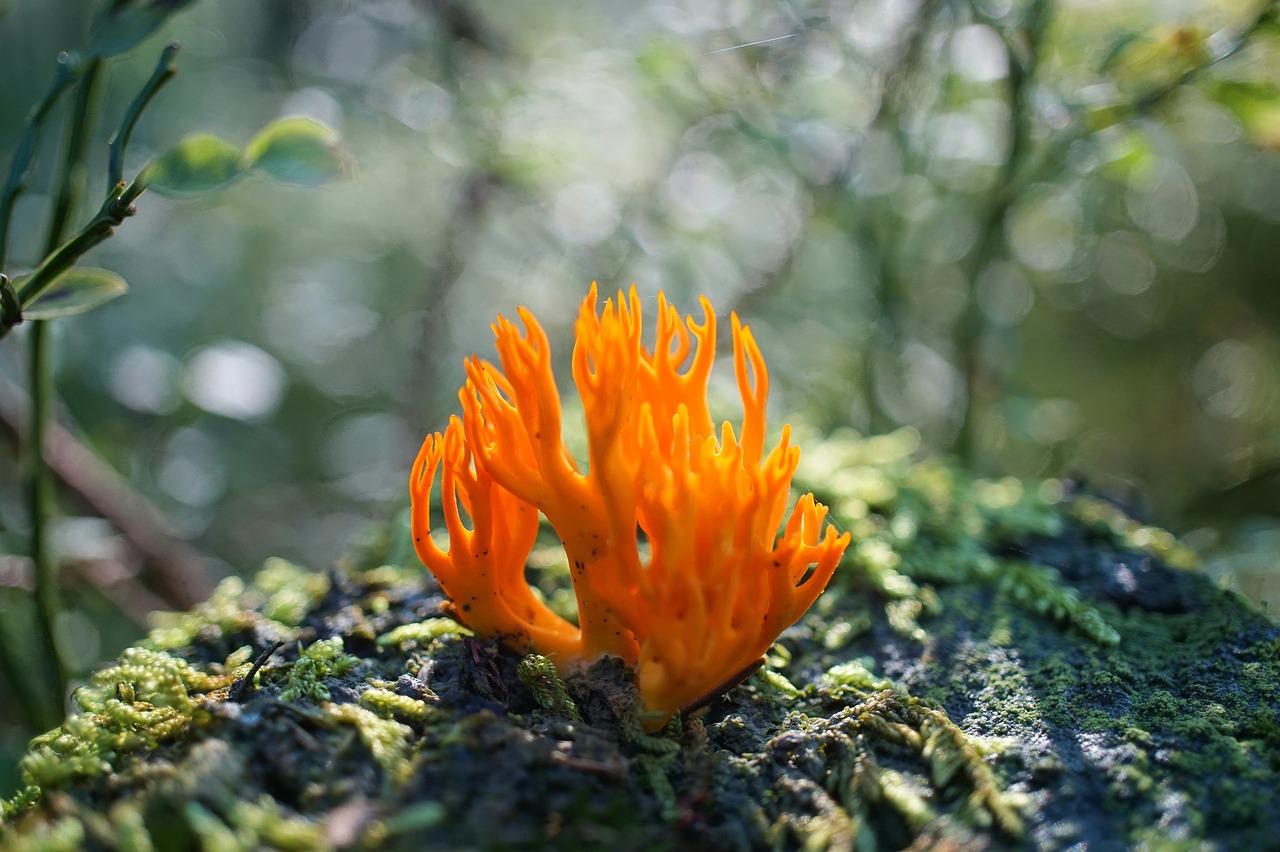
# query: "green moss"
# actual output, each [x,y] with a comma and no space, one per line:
[1158,708]
[63,835]
[1105,518]
[854,675]
[262,823]
[147,698]
[408,822]
[290,590]
[391,705]
[24,799]
[422,633]
[388,741]
[276,601]
[832,761]
[654,771]
[1041,590]
[320,662]
[539,674]
[924,522]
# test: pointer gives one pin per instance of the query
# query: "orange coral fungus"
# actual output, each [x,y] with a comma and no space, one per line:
[718,584]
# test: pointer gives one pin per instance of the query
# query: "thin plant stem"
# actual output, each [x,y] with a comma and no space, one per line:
[70,183]
[165,70]
[48,603]
[24,155]
[32,706]
[115,209]
[35,707]
[67,191]
[118,206]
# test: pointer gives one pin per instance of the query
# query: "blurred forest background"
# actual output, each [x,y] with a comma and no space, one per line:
[1045,233]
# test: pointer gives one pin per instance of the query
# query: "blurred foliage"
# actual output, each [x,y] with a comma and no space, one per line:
[1042,232]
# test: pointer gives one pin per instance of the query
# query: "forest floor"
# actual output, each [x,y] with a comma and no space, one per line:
[997,665]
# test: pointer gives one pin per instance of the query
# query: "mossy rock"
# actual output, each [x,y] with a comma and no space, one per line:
[997,665]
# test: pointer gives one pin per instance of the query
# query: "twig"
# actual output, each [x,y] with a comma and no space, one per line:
[244,686]
[70,183]
[114,577]
[172,567]
[165,70]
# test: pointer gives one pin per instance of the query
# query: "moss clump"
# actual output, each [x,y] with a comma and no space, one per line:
[1041,590]
[539,675]
[274,605]
[876,762]
[63,835]
[922,524]
[387,740]
[145,699]
[321,662]
[393,705]
[422,633]
[997,664]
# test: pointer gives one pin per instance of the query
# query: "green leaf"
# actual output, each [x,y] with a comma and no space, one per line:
[198,164]
[77,290]
[1257,105]
[123,24]
[299,150]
